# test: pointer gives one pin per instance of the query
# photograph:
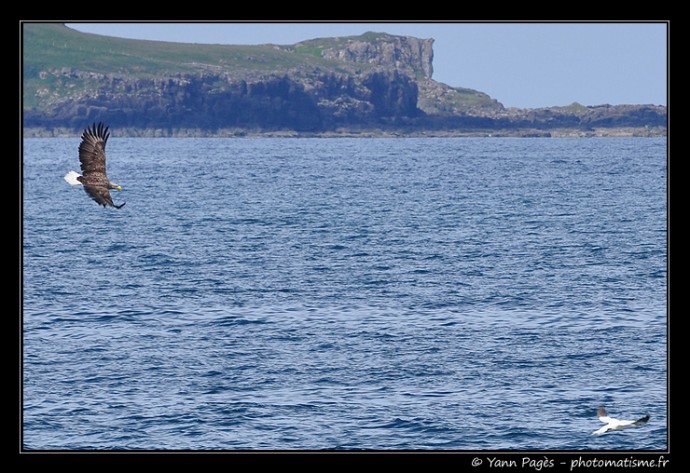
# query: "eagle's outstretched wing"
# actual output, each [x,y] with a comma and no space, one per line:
[92,151]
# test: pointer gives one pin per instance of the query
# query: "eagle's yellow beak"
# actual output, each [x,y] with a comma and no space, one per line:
[119,188]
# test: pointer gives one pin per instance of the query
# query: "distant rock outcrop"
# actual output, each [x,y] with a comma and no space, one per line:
[405,54]
[372,81]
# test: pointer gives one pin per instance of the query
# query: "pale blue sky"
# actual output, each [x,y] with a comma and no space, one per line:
[519,64]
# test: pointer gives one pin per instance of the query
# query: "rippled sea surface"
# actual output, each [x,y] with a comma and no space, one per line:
[290,294]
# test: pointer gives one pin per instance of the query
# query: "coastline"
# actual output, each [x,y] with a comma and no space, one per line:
[604,132]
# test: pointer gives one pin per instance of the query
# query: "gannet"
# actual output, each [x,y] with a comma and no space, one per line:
[615,424]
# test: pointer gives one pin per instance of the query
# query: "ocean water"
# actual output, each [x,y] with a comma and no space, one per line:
[386,294]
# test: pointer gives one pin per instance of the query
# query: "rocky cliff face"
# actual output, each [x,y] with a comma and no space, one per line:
[319,101]
[406,54]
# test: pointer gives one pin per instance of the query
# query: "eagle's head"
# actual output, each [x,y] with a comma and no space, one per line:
[112,185]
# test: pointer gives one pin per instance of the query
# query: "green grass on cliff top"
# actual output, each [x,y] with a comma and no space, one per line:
[54,46]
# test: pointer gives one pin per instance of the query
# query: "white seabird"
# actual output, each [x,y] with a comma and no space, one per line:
[615,424]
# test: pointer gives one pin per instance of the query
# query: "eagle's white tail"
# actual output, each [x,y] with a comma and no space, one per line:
[71,178]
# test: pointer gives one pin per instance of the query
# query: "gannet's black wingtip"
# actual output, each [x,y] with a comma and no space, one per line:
[642,420]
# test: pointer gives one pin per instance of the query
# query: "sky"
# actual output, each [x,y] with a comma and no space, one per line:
[524,65]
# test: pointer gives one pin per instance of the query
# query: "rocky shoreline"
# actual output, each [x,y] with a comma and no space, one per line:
[621,132]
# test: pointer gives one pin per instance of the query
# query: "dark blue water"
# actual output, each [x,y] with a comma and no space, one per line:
[461,294]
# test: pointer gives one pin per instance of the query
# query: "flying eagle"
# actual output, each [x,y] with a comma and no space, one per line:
[92,158]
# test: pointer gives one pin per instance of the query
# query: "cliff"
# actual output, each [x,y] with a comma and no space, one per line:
[406,54]
[372,81]
[212,100]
